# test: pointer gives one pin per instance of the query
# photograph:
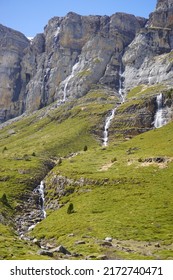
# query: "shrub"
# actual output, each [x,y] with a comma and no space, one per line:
[4,149]
[26,157]
[70,209]
[4,200]
[60,161]
[113,159]
[85,148]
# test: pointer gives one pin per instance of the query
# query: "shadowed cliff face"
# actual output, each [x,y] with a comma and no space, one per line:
[12,45]
[77,52]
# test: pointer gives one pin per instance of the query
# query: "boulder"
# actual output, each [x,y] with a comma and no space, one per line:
[45,253]
[60,249]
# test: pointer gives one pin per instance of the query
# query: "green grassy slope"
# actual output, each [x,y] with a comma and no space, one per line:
[126,194]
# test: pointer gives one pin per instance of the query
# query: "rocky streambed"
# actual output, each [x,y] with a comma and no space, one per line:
[31,211]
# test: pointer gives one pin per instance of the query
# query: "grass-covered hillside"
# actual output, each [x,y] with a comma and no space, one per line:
[123,191]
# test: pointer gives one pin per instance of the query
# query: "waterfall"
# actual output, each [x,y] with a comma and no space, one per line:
[68,79]
[110,118]
[106,127]
[33,211]
[120,85]
[159,120]
[41,192]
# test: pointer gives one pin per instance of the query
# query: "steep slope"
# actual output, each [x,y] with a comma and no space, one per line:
[66,145]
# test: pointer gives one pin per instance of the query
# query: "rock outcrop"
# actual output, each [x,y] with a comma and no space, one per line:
[148,59]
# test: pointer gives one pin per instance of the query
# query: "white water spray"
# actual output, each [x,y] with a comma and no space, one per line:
[159,120]
[68,79]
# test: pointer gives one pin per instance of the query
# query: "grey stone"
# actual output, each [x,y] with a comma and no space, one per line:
[109,239]
[45,253]
[60,249]
[80,242]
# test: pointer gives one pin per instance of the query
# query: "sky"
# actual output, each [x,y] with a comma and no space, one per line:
[30,16]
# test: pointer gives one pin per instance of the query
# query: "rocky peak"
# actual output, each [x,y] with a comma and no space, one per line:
[163,15]
[148,58]
[164,5]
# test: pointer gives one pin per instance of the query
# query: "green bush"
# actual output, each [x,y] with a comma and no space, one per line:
[85,148]
[4,149]
[70,209]
[26,157]
[113,159]
[4,200]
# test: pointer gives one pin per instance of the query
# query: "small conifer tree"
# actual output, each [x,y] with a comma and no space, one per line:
[70,209]
[85,148]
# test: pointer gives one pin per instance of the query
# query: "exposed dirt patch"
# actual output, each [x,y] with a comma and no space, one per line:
[106,166]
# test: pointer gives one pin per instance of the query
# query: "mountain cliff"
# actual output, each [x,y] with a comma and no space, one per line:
[77,52]
[74,53]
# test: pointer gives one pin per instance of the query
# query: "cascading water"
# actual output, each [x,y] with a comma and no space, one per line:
[33,211]
[41,192]
[110,118]
[68,79]
[159,120]
[106,127]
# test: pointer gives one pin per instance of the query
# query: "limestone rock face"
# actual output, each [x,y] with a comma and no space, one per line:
[12,45]
[79,51]
[76,53]
[64,62]
[148,58]
[163,15]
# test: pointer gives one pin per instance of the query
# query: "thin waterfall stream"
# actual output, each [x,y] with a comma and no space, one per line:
[40,190]
[111,116]
[75,66]
[159,120]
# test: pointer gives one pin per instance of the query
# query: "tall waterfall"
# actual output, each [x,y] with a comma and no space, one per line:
[159,120]
[110,118]
[68,79]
